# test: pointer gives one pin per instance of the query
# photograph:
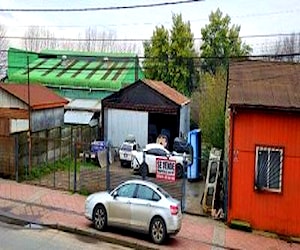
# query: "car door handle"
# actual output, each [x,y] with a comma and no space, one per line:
[128,202]
[148,204]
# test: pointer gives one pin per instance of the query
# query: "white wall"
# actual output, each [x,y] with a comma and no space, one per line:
[18,125]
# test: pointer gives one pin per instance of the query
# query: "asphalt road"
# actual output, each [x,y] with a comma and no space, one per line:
[14,237]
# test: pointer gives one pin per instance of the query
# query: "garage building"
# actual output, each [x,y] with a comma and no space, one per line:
[145,109]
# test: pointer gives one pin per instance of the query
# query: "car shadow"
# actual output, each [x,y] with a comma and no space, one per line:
[170,241]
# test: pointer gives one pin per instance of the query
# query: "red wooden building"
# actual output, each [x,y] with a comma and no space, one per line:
[264,145]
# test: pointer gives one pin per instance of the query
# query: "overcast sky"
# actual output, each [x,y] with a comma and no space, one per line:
[256,17]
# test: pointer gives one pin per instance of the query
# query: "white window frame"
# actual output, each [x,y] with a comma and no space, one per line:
[269,150]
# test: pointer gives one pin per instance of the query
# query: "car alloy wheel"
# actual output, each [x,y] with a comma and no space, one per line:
[158,230]
[100,217]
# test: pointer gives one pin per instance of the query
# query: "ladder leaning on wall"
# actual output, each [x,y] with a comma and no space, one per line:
[212,176]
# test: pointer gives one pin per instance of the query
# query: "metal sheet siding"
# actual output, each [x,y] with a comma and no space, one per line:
[184,126]
[86,104]
[47,119]
[9,101]
[121,123]
[276,212]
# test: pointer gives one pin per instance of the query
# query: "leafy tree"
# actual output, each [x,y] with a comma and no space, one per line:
[169,55]
[212,101]
[156,55]
[221,41]
[181,54]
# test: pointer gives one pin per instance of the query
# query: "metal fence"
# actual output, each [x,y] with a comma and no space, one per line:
[62,160]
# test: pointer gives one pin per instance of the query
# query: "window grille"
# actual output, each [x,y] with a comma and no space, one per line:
[268,168]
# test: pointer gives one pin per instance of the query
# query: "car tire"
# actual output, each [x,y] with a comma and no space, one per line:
[100,217]
[179,171]
[158,230]
[122,163]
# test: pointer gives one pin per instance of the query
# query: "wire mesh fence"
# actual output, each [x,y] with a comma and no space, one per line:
[60,159]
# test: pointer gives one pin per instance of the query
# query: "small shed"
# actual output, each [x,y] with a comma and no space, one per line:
[18,101]
[25,108]
[264,156]
[145,109]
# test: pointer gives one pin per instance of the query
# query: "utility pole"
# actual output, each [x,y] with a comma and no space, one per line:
[29,116]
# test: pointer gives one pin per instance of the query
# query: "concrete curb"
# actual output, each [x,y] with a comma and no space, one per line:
[12,219]
[15,220]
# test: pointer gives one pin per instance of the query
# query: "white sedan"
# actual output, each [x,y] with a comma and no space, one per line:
[154,151]
[137,205]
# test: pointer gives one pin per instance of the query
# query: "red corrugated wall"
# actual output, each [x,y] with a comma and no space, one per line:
[275,212]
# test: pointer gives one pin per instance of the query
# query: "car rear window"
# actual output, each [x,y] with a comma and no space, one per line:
[126,147]
[165,193]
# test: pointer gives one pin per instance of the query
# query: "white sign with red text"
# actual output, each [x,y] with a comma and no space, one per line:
[165,169]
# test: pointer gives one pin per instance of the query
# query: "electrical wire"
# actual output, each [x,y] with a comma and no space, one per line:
[137,39]
[102,8]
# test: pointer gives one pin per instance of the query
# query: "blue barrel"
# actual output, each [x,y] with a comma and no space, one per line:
[194,170]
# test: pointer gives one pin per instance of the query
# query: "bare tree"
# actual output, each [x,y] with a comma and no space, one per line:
[104,41]
[289,46]
[3,51]
[285,49]
[37,38]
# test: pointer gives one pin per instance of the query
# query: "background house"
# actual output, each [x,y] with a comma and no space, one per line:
[78,76]
[25,108]
[264,156]
[145,109]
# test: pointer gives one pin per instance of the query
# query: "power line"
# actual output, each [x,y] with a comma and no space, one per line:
[135,39]
[168,22]
[155,57]
[102,8]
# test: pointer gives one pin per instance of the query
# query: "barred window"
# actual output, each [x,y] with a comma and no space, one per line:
[268,168]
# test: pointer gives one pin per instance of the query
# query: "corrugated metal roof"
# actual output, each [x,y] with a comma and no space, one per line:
[40,96]
[78,117]
[84,104]
[167,91]
[102,71]
[264,84]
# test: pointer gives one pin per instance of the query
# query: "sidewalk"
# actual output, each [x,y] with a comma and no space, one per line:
[25,204]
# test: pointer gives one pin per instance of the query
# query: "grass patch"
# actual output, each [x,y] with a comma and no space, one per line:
[64,164]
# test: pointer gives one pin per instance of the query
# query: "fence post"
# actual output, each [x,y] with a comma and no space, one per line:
[54,162]
[183,188]
[107,168]
[75,166]
[17,158]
